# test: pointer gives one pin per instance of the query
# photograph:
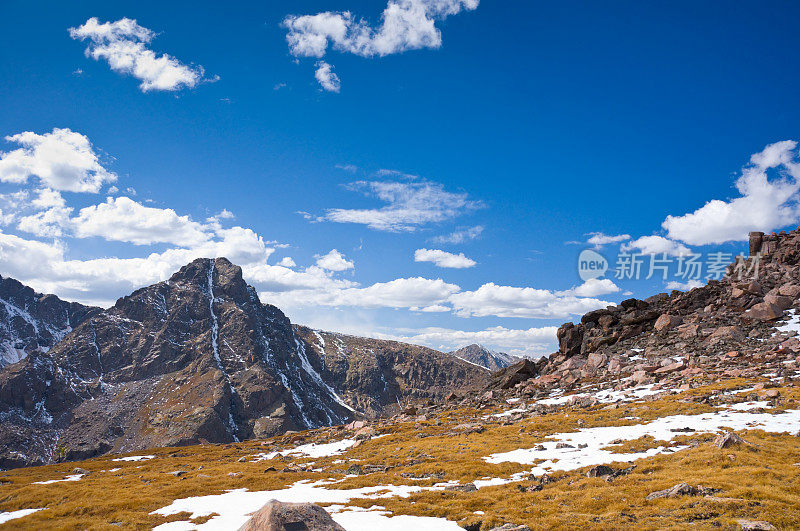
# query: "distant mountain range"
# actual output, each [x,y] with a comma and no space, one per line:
[197,357]
[483,357]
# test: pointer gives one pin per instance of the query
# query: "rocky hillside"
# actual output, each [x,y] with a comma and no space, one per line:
[726,328]
[32,322]
[199,358]
[488,359]
[377,377]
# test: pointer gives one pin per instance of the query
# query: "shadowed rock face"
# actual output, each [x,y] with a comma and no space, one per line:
[197,357]
[494,361]
[32,322]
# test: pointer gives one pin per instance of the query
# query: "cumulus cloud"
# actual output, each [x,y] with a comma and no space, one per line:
[123,44]
[334,261]
[327,78]
[287,261]
[409,293]
[460,235]
[656,245]
[123,219]
[768,188]
[594,287]
[409,205]
[443,258]
[531,342]
[62,160]
[406,25]
[508,301]
[598,239]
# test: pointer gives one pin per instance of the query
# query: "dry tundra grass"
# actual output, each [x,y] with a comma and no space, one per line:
[763,480]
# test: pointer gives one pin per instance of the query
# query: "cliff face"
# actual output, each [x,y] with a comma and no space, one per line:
[197,357]
[32,322]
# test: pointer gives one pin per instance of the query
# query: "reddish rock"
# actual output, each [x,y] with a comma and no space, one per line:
[790,290]
[764,311]
[672,367]
[667,322]
[779,301]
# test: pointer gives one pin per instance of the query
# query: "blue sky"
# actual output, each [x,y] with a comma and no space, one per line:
[523,127]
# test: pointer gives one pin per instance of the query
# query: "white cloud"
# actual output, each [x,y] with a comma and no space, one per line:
[334,261]
[460,235]
[594,287]
[406,25]
[765,203]
[683,286]
[52,218]
[61,160]
[414,292]
[599,239]
[327,78]
[532,342]
[124,220]
[507,301]
[443,258]
[656,245]
[410,204]
[123,45]
[287,261]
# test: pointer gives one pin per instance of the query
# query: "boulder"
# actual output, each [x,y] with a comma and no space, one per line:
[681,489]
[764,311]
[790,290]
[779,301]
[514,374]
[725,333]
[596,360]
[672,367]
[756,240]
[280,516]
[667,322]
[599,471]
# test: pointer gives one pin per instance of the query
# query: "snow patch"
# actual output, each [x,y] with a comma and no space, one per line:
[13,515]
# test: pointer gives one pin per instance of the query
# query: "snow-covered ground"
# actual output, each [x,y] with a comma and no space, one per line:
[135,458]
[13,515]
[234,507]
[594,440]
[311,450]
[73,477]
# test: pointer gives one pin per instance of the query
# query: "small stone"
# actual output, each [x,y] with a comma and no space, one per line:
[755,525]
[681,489]
[468,487]
[724,440]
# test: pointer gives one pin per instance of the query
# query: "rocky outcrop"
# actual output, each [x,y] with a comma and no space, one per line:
[725,328]
[199,357]
[32,322]
[484,357]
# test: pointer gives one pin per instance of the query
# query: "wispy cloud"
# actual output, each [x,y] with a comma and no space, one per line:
[460,235]
[409,205]
[327,78]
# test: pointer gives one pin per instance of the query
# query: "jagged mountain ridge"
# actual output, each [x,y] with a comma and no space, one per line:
[33,322]
[483,357]
[196,357]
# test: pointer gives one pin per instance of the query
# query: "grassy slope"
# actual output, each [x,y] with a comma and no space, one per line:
[765,477]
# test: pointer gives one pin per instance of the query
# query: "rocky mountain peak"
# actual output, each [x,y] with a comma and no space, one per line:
[200,357]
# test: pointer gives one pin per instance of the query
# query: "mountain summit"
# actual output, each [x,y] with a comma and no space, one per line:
[199,357]
[483,357]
